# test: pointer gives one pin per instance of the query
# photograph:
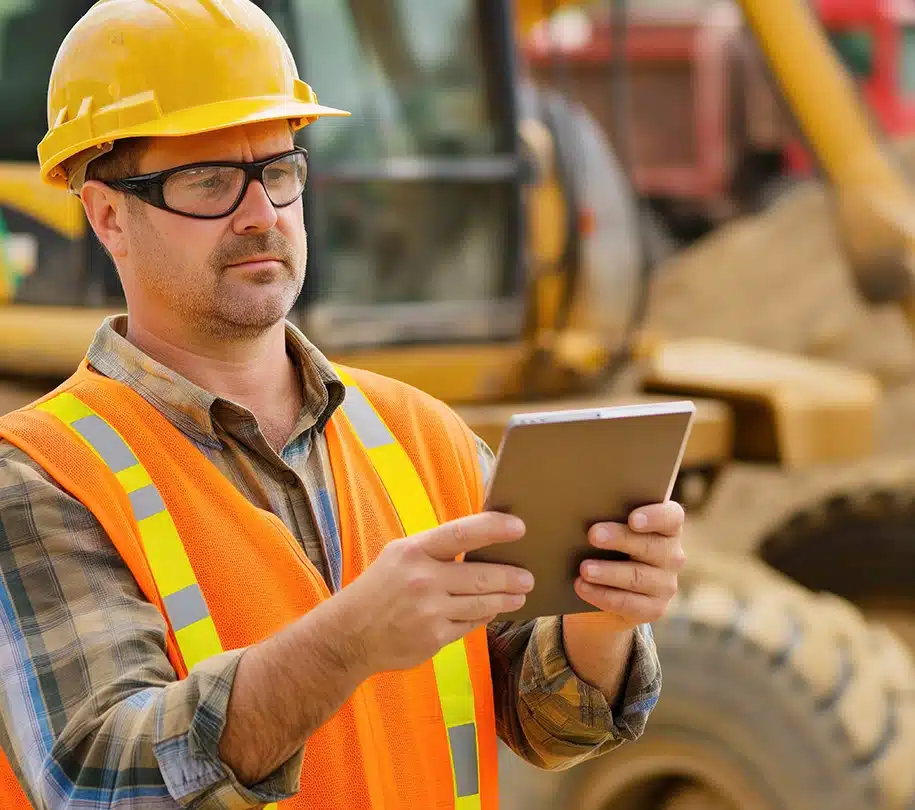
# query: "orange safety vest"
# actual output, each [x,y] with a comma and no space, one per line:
[225,574]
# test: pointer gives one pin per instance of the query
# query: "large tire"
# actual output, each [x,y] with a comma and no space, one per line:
[858,543]
[772,700]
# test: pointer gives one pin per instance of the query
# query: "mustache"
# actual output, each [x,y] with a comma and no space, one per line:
[244,247]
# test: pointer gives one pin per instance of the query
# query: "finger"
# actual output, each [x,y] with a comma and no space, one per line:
[654,549]
[658,518]
[630,576]
[483,607]
[470,533]
[634,607]
[465,578]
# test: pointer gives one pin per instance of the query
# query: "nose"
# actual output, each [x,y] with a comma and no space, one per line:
[255,212]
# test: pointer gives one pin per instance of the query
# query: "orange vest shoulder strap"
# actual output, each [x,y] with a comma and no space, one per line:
[431,433]
[90,460]
[77,469]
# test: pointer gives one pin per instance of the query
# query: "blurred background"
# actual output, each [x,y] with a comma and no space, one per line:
[555,204]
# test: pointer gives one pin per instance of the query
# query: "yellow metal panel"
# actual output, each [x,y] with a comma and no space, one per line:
[21,189]
[794,410]
[46,341]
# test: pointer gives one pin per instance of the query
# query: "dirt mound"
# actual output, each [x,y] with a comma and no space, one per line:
[778,280]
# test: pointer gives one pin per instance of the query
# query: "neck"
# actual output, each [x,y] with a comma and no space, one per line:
[255,372]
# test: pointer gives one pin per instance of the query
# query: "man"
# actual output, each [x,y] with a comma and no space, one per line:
[229,570]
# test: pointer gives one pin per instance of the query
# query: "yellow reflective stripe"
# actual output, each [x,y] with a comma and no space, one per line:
[164,550]
[455,689]
[171,568]
[134,478]
[198,642]
[166,555]
[407,493]
[66,407]
[416,513]
[453,672]
[184,602]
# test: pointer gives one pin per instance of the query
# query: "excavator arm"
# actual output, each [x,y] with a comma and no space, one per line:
[874,202]
[530,12]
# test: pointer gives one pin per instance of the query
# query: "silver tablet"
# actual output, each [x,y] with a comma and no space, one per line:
[563,471]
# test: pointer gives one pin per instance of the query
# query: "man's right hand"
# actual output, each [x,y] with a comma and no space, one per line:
[415,598]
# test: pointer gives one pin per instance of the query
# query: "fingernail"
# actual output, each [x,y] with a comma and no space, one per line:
[526,579]
[603,536]
[639,521]
[517,600]
[590,570]
[514,524]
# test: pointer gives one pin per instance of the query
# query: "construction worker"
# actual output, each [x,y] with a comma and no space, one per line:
[228,571]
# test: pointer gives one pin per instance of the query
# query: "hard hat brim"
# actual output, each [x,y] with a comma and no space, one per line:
[207,118]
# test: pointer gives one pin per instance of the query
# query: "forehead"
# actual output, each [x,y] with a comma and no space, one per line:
[246,142]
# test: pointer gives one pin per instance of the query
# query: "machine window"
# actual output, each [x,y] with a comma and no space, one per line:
[412,73]
[38,264]
[412,196]
[907,61]
[856,49]
[30,34]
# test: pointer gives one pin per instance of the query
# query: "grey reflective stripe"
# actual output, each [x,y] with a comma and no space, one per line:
[185,607]
[463,741]
[146,502]
[111,447]
[371,430]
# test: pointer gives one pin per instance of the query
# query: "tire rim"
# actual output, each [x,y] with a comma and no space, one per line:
[661,772]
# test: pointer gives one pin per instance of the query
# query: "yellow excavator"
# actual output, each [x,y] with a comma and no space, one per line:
[475,236]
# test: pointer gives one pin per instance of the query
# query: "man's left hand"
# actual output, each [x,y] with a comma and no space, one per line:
[637,590]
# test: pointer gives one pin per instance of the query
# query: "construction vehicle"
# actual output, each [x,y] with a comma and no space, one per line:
[711,138]
[460,228]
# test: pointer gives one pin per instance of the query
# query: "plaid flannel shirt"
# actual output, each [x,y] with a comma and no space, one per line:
[91,711]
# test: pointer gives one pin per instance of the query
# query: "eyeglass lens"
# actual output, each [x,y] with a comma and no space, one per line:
[213,190]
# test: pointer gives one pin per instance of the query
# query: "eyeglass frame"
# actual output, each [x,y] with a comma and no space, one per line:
[150,187]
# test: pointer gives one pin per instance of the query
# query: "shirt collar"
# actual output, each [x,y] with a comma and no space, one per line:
[193,409]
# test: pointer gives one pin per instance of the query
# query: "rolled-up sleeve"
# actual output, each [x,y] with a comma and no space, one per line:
[550,717]
[91,712]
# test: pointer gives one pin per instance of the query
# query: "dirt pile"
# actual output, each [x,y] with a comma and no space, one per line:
[778,280]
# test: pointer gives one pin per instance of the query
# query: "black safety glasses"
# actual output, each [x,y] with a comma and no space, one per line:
[215,189]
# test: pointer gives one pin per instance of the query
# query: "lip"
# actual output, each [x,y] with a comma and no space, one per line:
[258,263]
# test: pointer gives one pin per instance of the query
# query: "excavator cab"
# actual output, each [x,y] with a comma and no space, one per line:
[422,249]
[415,198]
[414,207]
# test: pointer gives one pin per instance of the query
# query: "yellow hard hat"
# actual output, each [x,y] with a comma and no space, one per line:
[136,68]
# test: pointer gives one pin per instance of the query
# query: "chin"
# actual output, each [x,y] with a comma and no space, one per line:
[254,307]
[255,312]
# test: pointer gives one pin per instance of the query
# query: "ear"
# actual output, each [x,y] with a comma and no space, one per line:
[106,210]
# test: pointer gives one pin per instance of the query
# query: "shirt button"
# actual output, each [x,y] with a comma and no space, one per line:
[290,477]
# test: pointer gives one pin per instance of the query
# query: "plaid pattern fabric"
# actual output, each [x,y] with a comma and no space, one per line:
[90,711]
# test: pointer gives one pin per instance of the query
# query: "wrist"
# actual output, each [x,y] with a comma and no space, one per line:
[598,651]
[346,636]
